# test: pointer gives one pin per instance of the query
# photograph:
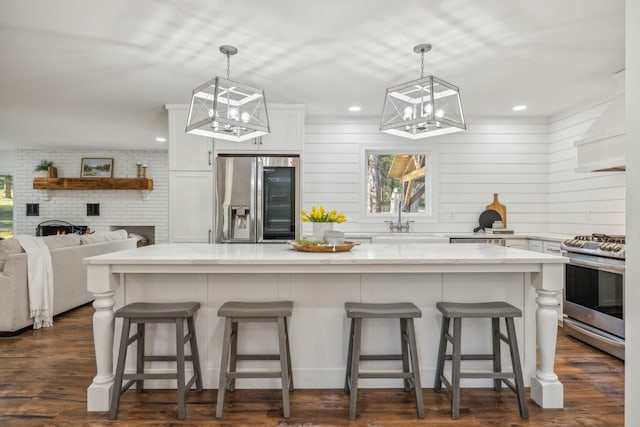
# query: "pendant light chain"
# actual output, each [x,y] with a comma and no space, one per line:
[228,66]
[422,65]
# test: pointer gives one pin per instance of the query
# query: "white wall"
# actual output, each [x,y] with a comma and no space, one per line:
[581,203]
[496,156]
[117,207]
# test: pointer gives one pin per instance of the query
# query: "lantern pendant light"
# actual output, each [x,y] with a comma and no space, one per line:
[225,109]
[422,108]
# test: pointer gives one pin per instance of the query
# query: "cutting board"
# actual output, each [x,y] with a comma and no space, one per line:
[500,208]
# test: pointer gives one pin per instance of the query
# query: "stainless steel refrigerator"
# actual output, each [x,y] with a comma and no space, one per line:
[257,198]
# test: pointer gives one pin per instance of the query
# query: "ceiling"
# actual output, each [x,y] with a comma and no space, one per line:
[86,73]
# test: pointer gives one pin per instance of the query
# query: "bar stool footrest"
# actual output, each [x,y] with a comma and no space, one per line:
[234,375]
[380,357]
[471,357]
[403,375]
[257,357]
[488,375]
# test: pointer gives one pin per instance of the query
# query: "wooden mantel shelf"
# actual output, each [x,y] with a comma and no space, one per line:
[92,184]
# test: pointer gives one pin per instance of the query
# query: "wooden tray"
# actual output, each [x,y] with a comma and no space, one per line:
[345,247]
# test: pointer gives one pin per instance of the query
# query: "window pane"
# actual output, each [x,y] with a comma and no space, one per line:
[6,206]
[393,179]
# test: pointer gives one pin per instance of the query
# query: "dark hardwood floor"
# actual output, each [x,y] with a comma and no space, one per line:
[44,375]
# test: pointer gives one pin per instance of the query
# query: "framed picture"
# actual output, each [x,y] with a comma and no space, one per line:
[96,167]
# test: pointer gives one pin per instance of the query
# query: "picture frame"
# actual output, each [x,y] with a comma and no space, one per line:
[96,167]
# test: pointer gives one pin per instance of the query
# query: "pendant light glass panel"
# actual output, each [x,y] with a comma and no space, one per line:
[228,110]
[422,108]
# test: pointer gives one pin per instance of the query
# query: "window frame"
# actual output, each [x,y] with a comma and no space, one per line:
[431,181]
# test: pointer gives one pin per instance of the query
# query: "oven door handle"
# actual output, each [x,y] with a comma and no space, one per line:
[609,341]
[596,265]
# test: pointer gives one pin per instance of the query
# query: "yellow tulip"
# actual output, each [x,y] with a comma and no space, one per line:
[303,212]
[304,219]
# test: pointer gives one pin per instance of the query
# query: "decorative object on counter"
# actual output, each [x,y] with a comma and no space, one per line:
[499,231]
[421,108]
[96,167]
[138,170]
[322,220]
[334,237]
[321,246]
[500,208]
[46,169]
[320,229]
[486,220]
[225,109]
[144,171]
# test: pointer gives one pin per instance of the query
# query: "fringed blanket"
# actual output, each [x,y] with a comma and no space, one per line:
[40,280]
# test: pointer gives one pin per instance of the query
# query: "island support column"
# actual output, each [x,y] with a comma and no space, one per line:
[102,284]
[546,390]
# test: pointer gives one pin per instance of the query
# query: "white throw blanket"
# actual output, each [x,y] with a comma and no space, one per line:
[40,280]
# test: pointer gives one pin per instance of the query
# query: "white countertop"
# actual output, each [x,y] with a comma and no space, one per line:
[555,237]
[282,254]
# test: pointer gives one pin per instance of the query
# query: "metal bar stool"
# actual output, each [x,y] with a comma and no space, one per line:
[405,312]
[141,313]
[242,312]
[495,311]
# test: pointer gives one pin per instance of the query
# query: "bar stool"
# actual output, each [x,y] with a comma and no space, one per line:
[405,312]
[236,312]
[142,313]
[495,311]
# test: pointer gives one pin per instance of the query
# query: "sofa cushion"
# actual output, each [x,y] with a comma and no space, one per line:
[106,236]
[8,247]
[62,241]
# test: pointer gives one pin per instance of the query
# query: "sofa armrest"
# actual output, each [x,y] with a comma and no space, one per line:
[14,295]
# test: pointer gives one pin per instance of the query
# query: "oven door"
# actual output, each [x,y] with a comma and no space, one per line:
[594,292]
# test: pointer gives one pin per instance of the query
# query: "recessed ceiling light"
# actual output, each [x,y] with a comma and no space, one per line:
[161,139]
[355,108]
[519,108]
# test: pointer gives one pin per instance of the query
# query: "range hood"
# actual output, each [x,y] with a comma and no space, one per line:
[601,148]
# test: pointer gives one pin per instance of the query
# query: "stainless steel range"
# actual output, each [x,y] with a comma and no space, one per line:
[594,291]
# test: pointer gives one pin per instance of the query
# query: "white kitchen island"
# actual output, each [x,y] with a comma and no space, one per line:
[319,284]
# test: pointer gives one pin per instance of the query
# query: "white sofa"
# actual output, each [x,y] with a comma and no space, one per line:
[69,273]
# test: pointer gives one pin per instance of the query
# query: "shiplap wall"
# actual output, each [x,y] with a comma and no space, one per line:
[492,156]
[581,203]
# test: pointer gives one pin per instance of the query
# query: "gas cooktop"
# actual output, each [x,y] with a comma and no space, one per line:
[600,245]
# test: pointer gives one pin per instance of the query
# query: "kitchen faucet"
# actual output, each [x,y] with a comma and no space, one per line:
[399,226]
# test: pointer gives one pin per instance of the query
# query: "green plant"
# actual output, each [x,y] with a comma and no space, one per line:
[44,165]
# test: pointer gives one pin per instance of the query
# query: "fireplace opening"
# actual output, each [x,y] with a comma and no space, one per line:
[56,227]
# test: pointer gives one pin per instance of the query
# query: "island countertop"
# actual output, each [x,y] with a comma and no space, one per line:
[319,284]
[364,254]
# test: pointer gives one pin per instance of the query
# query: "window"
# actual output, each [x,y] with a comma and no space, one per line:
[6,206]
[398,179]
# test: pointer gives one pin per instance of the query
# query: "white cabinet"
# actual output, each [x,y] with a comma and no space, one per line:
[190,181]
[286,123]
[536,245]
[551,248]
[187,152]
[190,207]
[517,243]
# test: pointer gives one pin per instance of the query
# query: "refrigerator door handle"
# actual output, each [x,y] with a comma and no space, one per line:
[258,208]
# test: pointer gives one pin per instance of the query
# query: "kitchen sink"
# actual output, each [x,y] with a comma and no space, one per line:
[408,238]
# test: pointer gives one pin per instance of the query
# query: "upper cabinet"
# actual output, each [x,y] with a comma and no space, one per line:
[286,123]
[187,152]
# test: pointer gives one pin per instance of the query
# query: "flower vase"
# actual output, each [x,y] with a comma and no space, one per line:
[319,228]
